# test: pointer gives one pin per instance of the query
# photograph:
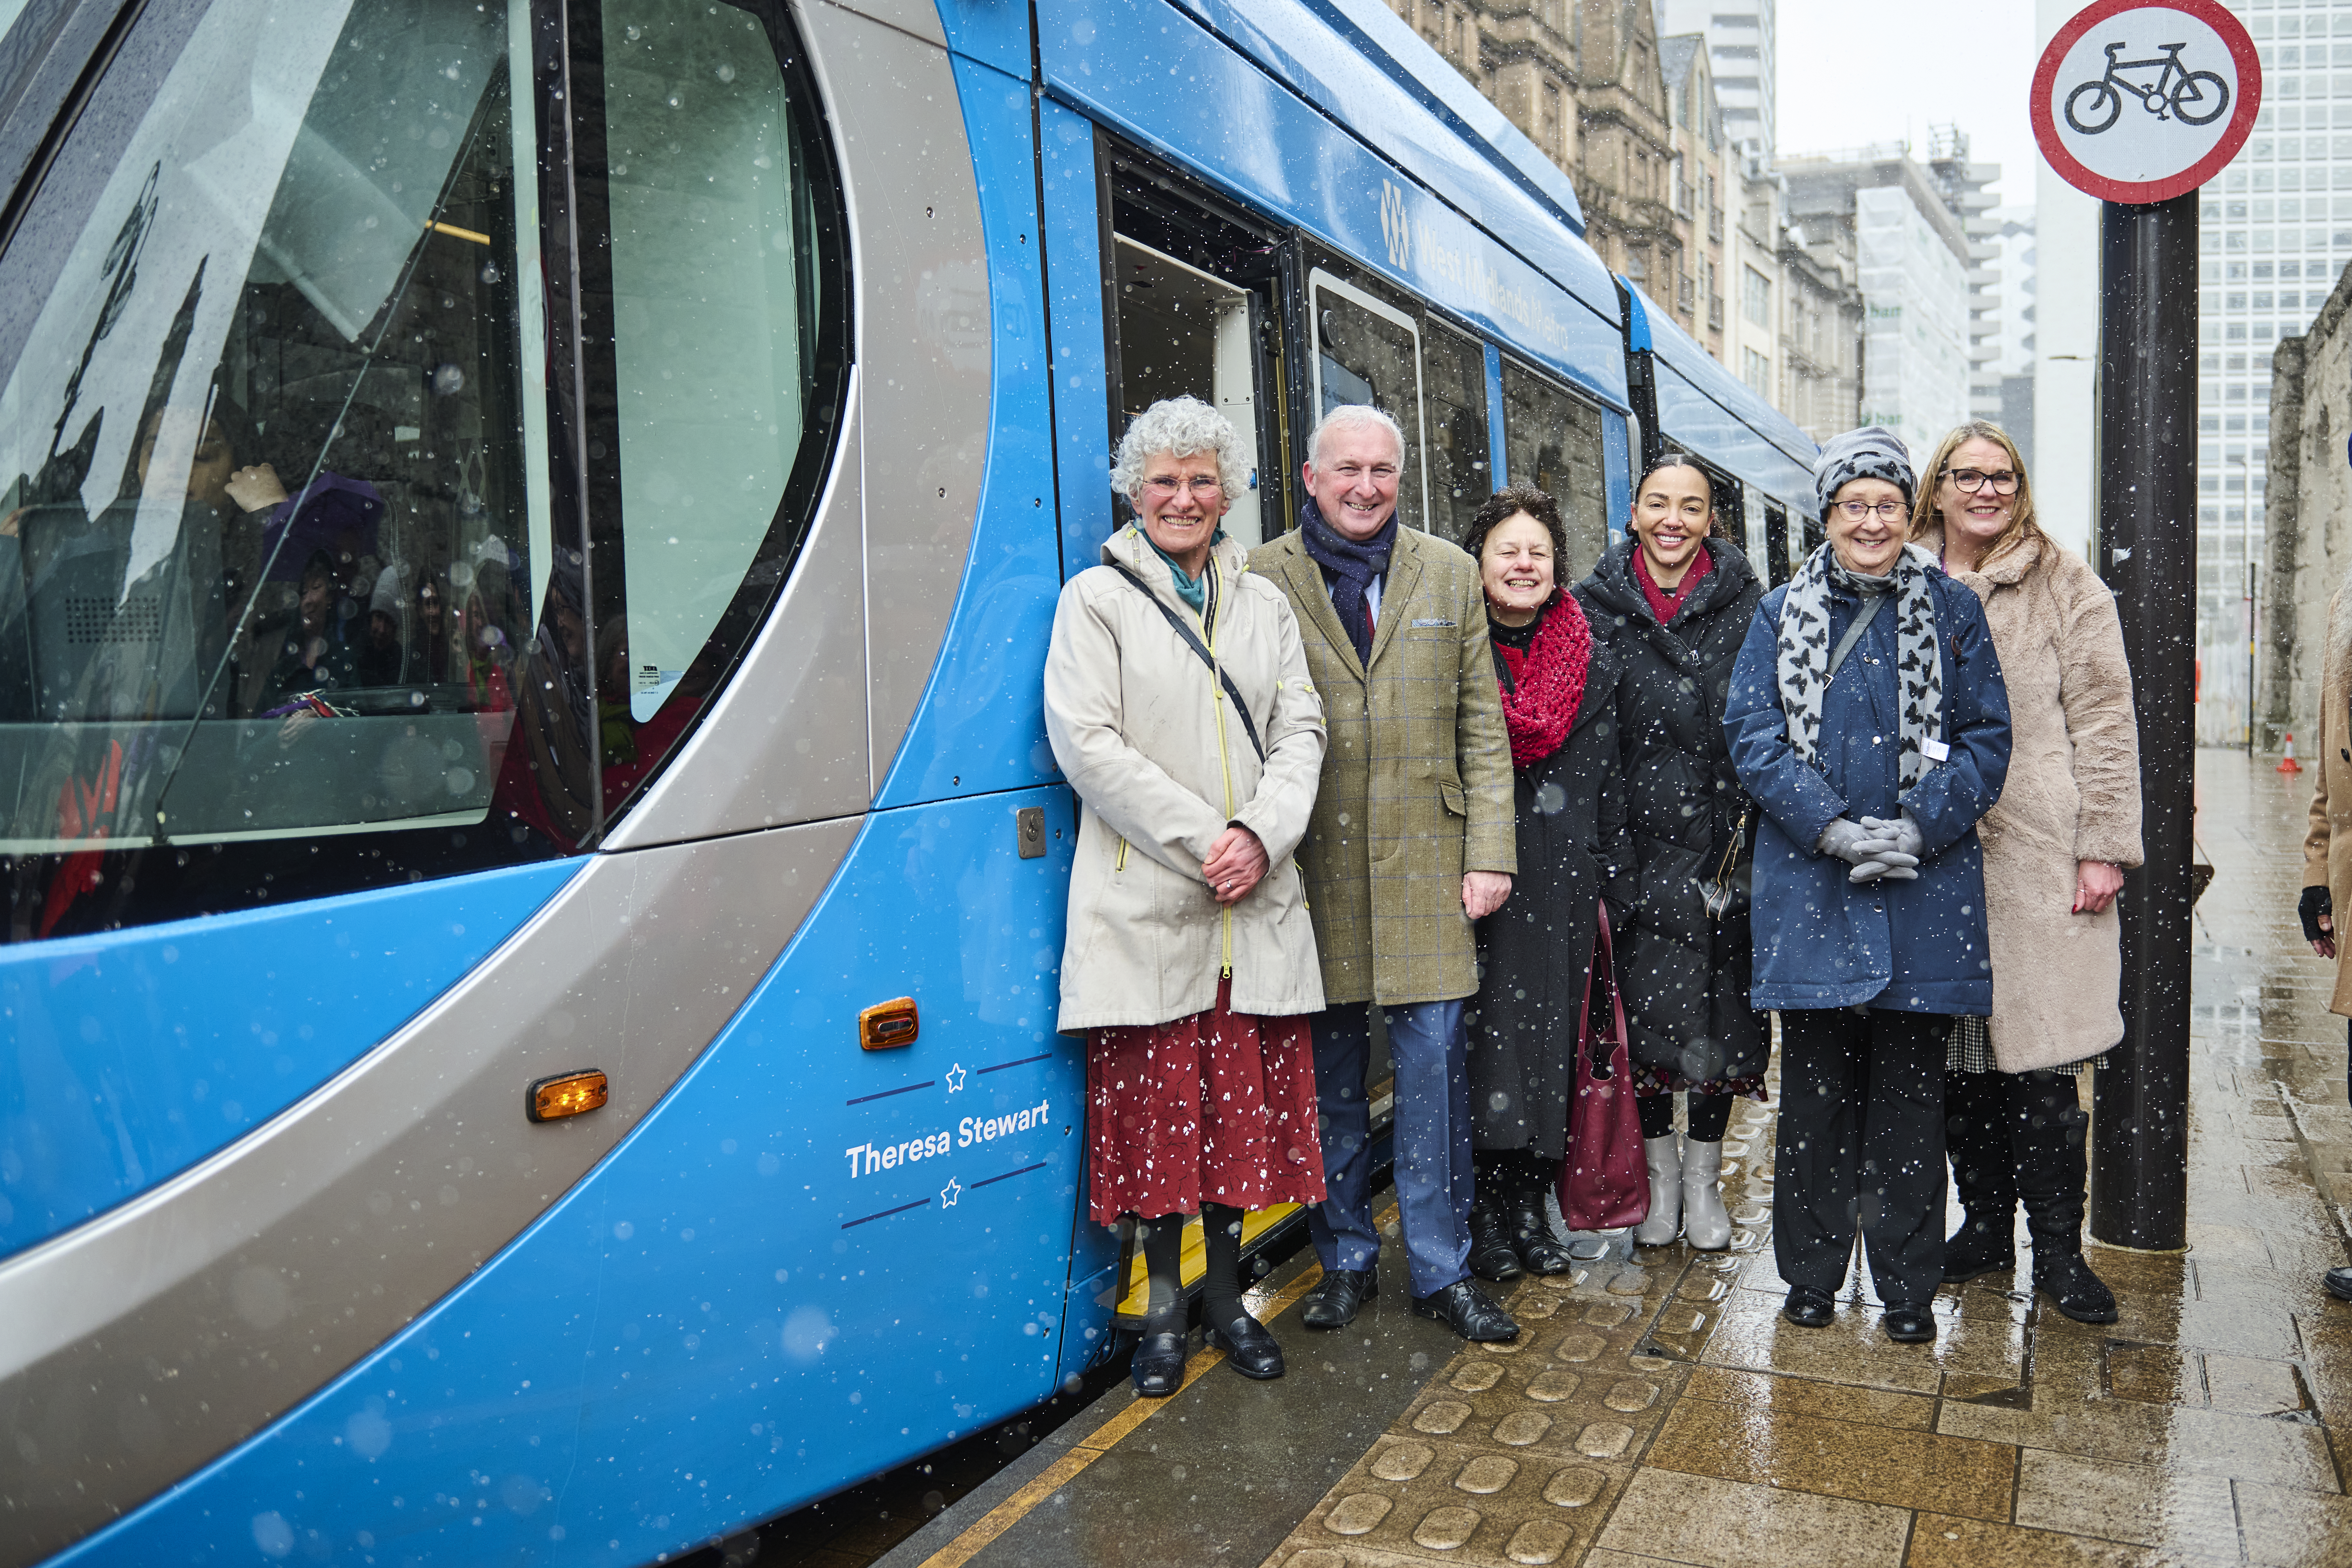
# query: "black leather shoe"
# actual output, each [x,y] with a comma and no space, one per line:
[1250,1348]
[2061,1274]
[1532,1239]
[2339,1283]
[1159,1365]
[1465,1308]
[1334,1303]
[1909,1325]
[1491,1257]
[1808,1308]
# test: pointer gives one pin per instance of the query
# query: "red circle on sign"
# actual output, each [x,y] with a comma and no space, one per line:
[2131,192]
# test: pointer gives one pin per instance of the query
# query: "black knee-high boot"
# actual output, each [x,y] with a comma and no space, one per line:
[2048,1133]
[1978,1112]
[1157,1366]
[1530,1227]
[1247,1345]
[1221,1284]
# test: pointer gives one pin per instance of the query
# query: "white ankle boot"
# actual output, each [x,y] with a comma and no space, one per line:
[1705,1224]
[1665,1221]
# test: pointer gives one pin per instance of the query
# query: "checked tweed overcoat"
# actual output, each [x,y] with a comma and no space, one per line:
[1416,785]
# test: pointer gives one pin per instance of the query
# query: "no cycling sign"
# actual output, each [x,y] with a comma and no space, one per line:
[2137,103]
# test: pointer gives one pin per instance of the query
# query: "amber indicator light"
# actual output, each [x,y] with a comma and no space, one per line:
[887,1025]
[566,1094]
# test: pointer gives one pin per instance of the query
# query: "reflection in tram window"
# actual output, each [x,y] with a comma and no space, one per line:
[1552,440]
[1370,353]
[290,366]
[1184,332]
[1458,432]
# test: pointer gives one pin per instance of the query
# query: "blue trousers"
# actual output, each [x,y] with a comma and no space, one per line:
[1432,1139]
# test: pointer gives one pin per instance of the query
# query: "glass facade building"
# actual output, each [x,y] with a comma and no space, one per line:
[2276,232]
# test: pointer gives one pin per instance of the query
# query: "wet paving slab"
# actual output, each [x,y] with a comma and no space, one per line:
[1657,1409]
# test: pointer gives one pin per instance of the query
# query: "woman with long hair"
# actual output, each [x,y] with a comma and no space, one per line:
[2055,849]
[1673,600]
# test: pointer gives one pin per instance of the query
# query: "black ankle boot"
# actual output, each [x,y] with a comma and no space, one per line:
[1532,1240]
[1977,1117]
[2051,1160]
[1491,1257]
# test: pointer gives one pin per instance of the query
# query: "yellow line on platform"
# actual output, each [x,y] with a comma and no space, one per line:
[1108,1436]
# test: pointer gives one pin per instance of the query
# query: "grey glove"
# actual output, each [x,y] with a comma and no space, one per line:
[1847,840]
[1896,848]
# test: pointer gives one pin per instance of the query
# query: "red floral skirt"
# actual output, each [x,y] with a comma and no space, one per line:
[1217,1106]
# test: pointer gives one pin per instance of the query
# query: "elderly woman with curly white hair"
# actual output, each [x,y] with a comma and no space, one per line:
[1180,707]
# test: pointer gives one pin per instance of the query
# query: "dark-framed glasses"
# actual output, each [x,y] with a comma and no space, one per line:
[1859,510]
[1971,481]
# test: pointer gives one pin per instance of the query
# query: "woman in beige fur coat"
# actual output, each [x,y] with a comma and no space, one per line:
[2055,848]
[2327,846]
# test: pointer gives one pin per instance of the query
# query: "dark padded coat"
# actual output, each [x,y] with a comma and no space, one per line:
[1822,941]
[1685,975]
[1535,953]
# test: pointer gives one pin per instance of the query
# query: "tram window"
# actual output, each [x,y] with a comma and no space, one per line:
[1366,352]
[707,302]
[1184,332]
[1459,434]
[1552,440]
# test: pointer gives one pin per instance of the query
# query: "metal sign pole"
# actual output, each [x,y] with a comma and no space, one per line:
[2147,538]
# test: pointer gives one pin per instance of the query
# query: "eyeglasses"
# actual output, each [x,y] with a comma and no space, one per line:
[1857,511]
[1971,481]
[1166,489]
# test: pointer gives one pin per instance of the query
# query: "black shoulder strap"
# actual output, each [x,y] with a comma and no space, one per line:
[1249,725]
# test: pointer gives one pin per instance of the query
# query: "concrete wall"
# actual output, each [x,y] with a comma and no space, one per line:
[2309,544]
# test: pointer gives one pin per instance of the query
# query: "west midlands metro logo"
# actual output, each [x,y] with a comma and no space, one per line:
[1396,227]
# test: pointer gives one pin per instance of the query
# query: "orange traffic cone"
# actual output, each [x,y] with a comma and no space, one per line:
[2287,765]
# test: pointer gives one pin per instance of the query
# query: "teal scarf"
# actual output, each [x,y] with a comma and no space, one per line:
[1193,591]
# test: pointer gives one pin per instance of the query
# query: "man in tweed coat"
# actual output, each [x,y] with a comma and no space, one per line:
[1411,840]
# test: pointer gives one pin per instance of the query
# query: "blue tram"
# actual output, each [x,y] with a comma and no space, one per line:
[533,873]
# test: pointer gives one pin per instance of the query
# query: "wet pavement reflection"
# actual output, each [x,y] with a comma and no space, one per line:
[1655,1407]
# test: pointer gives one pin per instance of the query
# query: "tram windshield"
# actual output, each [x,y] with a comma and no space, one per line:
[281,551]
[276,522]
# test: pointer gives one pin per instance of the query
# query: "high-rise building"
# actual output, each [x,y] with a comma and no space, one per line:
[1963,184]
[1739,43]
[2275,235]
[2012,362]
[1912,257]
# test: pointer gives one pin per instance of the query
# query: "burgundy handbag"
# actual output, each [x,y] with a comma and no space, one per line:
[1604,1183]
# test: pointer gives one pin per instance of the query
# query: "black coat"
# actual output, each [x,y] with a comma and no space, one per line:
[1685,975]
[1535,952]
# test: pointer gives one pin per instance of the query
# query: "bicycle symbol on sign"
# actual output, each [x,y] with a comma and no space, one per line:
[2193,98]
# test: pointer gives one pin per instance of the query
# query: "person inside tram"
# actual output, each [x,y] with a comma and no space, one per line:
[1675,601]
[1559,686]
[2327,844]
[2055,849]
[316,651]
[1181,708]
[1418,783]
[383,658]
[432,652]
[1869,910]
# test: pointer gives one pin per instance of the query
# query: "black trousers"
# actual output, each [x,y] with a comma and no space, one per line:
[1862,1147]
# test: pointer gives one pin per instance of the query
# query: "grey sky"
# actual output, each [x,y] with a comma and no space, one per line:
[1857,71]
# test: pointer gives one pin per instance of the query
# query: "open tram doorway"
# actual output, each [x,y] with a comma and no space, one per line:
[1192,284]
